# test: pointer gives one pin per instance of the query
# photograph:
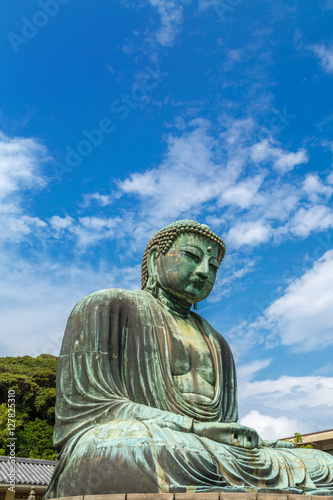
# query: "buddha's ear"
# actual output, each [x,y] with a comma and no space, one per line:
[151,261]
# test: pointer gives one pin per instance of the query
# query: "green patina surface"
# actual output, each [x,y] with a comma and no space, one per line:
[147,396]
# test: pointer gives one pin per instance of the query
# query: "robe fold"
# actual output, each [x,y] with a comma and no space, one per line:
[122,425]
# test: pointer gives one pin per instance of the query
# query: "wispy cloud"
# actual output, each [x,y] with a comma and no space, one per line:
[325,55]
[183,182]
[299,400]
[270,427]
[20,161]
[202,167]
[249,233]
[16,227]
[310,219]
[37,297]
[303,316]
[100,199]
[170,20]
[243,193]
[316,189]
[283,161]
[247,372]
[171,15]
[290,393]
[239,182]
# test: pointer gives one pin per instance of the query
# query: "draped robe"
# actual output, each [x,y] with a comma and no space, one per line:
[122,425]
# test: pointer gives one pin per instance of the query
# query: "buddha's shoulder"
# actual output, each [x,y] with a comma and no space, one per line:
[111,297]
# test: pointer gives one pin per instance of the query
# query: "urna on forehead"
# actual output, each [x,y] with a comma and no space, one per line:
[165,238]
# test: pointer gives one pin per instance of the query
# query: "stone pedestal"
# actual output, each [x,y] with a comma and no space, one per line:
[198,496]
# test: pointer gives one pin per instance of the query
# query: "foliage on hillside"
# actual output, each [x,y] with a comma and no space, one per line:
[33,380]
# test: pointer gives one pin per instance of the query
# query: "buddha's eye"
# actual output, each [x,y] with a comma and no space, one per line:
[214,264]
[192,256]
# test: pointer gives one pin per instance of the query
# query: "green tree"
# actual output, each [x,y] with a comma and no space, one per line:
[298,440]
[33,380]
[35,439]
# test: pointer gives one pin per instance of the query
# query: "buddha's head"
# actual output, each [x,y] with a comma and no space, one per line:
[182,260]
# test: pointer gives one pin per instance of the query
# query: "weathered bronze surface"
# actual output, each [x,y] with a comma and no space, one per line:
[146,391]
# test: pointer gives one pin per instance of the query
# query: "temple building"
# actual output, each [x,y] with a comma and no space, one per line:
[322,440]
[31,478]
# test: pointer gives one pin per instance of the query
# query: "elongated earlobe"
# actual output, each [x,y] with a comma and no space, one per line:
[152,283]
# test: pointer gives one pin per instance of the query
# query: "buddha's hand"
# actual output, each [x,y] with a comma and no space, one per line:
[232,434]
[275,444]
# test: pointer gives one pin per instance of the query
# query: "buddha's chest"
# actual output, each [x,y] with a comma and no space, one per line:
[189,352]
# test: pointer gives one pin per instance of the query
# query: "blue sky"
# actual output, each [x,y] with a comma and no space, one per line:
[118,117]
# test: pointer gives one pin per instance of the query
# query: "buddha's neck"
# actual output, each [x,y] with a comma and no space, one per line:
[173,303]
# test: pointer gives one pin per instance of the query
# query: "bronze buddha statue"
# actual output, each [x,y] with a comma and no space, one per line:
[146,390]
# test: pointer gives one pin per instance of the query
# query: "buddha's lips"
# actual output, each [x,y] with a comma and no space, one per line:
[198,283]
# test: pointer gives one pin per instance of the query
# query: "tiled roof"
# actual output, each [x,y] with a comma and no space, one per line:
[28,471]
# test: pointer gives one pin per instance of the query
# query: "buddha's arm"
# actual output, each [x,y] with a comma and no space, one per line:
[129,410]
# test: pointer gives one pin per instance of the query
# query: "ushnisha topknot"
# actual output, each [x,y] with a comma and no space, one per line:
[166,236]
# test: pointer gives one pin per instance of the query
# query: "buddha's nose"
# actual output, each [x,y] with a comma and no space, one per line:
[203,270]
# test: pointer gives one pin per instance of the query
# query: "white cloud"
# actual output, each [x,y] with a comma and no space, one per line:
[315,188]
[235,55]
[83,231]
[247,372]
[283,161]
[205,4]
[211,171]
[20,160]
[243,193]
[303,316]
[329,178]
[171,14]
[325,55]
[326,369]
[315,218]
[249,233]
[36,299]
[271,428]
[100,199]
[200,168]
[287,161]
[185,180]
[279,408]
[60,223]
[290,393]
[90,230]
[157,33]
[15,228]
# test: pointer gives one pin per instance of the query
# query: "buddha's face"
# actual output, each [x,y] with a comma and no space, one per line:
[188,270]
